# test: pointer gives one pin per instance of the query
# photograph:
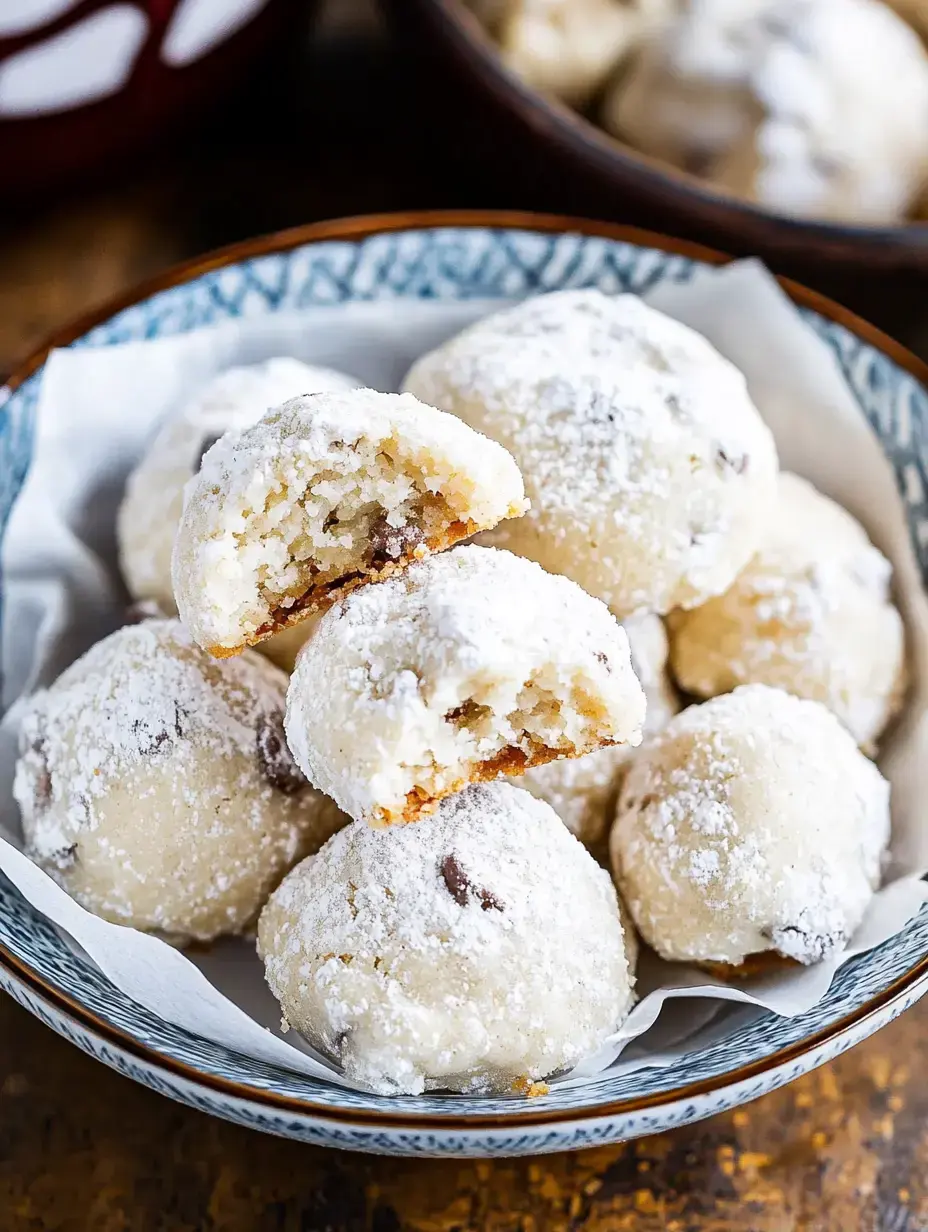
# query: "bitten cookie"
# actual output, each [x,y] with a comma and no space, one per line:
[157,788]
[811,107]
[472,664]
[583,790]
[480,951]
[650,472]
[810,614]
[750,826]
[323,494]
[154,499]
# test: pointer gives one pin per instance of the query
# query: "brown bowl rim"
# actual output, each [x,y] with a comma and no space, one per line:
[578,135]
[364,227]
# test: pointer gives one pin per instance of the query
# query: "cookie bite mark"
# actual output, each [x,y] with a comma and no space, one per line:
[323,495]
[413,689]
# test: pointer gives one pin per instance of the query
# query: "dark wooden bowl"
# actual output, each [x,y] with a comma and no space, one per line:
[598,175]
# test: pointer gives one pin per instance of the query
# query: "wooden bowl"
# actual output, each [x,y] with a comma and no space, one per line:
[588,170]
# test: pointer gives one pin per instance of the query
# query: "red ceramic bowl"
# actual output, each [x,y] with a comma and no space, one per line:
[82,82]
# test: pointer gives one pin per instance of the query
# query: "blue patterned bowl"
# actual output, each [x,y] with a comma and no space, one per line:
[458,257]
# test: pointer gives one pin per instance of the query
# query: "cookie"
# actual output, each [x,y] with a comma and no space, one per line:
[810,614]
[807,107]
[154,499]
[325,493]
[569,48]
[583,790]
[751,825]
[156,786]
[469,665]
[480,951]
[649,470]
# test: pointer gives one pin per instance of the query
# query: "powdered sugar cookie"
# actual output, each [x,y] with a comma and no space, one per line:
[582,790]
[480,951]
[471,664]
[568,48]
[157,788]
[154,499]
[751,825]
[648,467]
[811,107]
[324,493]
[810,614]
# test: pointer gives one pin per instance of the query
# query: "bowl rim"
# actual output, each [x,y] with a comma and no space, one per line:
[574,133]
[355,229]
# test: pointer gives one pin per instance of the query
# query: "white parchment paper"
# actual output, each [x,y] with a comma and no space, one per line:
[97,408]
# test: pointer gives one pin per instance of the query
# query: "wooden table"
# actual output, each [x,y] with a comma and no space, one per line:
[842,1150]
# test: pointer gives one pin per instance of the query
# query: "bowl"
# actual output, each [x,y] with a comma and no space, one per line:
[82,85]
[576,165]
[450,257]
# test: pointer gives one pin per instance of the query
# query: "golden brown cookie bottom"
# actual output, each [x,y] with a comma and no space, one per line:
[326,594]
[767,962]
[510,760]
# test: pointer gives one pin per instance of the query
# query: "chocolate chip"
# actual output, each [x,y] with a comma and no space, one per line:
[274,757]
[734,462]
[331,519]
[598,654]
[390,543]
[460,888]
[206,445]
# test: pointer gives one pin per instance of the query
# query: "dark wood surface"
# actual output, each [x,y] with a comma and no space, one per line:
[842,1150]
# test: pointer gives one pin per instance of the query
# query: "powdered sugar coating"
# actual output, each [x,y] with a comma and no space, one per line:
[812,107]
[648,467]
[154,499]
[325,492]
[156,786]
[568,48]
[751,824]
[583,790]
[467,665]
[810,614]
[480,949]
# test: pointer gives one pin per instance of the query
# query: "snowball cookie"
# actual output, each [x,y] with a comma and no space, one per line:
[810,107]
[751,825]
[479,951]
[157,788]
[569,47]
[154,497]
[810,614]
[649,470]
[325,493]
[582,790]
[471,664]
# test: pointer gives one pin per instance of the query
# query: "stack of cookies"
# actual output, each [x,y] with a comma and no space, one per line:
[353,700]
